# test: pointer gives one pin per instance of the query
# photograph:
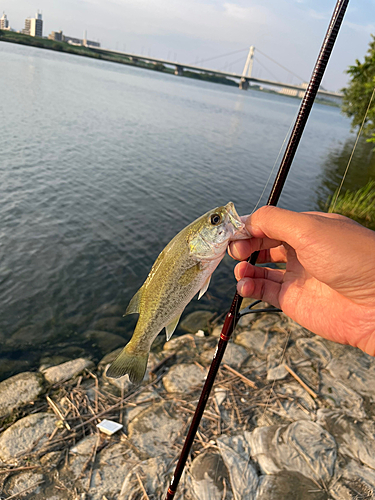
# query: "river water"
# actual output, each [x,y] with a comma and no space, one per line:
[101,164]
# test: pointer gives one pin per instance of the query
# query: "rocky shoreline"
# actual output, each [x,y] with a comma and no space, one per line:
[291,416]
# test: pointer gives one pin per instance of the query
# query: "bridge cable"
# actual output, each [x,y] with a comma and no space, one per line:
[269,71]
[217,57]
[276,62]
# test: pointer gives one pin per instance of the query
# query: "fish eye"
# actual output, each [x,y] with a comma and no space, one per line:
[215,219]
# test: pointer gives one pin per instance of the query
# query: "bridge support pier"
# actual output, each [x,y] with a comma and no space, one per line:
[244,84]
[178,70]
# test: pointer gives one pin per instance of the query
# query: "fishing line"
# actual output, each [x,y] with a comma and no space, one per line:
[274,380]
[352,154]
[277,160]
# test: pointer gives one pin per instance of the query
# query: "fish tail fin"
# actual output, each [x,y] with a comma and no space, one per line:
[133,364]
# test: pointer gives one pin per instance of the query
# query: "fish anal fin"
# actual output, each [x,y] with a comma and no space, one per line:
[169,329]
[203,290]
[134,304]
[127,362]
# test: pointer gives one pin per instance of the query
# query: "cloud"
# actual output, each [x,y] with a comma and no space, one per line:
[363,29]
[319,15]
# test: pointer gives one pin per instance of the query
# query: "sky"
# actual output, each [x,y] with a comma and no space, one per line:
[189,31]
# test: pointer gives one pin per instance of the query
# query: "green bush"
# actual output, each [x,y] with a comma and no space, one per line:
[358,205]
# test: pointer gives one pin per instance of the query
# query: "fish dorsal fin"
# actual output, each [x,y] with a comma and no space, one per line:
[169,329]
[134,304]
[203,290]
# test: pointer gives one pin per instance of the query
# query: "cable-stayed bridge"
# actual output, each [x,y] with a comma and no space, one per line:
[245,79]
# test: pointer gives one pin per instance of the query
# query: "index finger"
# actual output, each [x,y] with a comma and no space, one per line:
[270,250]
[297,229]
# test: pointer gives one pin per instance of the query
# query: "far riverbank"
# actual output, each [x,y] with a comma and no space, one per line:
[44,43]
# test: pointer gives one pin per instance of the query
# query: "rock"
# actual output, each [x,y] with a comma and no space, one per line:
[302,446]
[110,324]
[122,384]
[19,390]
[220,395]
[48,361]
[73,352]
[341,397]
[106,341]
[142,401]
[314,349]
[184,378]
[154,430]
[80,453]
[354,481]
[10,366]
[296,330]
[344,489]
[354,368]
[216,332]
[67,370]
[115,463]
[236,453]
[153,475]
[288,485]
[277,372]
[246,320]
[20,437]
[260,341]
[234,355]
[109,358]
[208,473]
[301,406]
[29,336]
[78,320]
[51,460]
[28,483]
[268,322]
[197,320]
[183,342]
[275,367]
[354,439]
[107,310]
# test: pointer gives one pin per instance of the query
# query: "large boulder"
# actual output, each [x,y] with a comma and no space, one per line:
[19,390]
[27,434]
[67,370]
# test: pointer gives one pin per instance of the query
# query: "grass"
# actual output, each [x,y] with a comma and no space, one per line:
[358,205]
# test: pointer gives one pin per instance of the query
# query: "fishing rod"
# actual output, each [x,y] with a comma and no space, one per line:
[233,315]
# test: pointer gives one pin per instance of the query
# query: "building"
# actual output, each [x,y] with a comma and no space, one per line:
[90,43]
[80,42]
[295,92]
[57,36]
[34,25]
[72,40]
[4,23]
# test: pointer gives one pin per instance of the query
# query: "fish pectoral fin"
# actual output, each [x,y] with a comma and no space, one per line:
[169,329]
[203,290]
[134,304]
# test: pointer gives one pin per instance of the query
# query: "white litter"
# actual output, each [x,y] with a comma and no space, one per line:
[109,427]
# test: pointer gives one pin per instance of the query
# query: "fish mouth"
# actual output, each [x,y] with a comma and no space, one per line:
[234,217]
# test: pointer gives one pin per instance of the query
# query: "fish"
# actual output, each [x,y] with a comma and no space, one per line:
[183,269]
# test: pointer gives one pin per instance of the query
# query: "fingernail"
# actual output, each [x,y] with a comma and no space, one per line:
[240,286]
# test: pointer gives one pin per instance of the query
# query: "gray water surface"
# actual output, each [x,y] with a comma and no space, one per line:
[102,164]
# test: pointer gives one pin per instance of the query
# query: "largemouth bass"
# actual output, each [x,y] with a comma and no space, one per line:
[183,269]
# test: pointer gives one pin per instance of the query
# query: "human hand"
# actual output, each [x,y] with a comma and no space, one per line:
[328,285]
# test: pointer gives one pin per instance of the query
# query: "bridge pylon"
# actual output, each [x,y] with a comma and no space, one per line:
[246,73]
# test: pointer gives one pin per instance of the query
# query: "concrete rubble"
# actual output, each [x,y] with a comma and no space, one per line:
[291,416]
